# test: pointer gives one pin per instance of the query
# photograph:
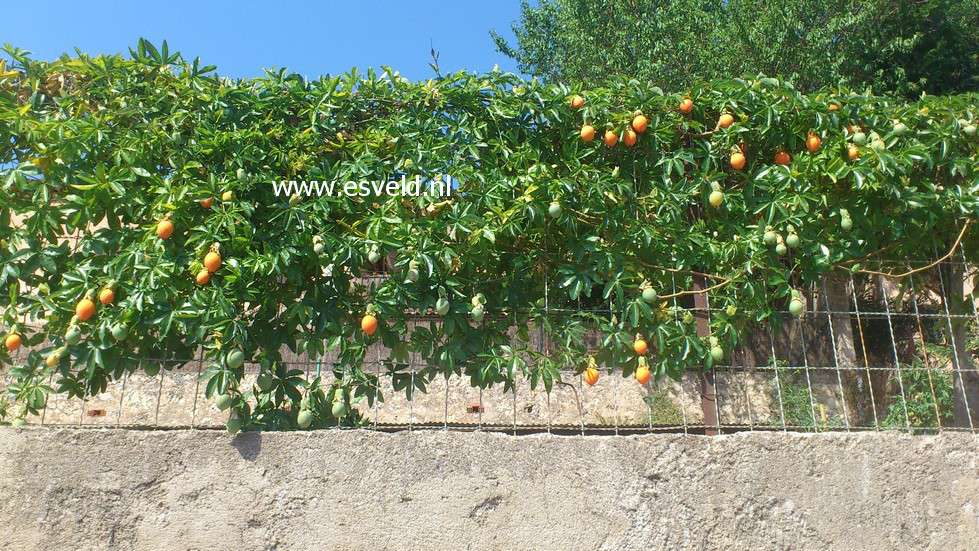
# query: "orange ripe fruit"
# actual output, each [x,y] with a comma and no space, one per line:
[12,342]
[203,277]
[212,261]
[642,374]
[725,121]
[206,203]
[782,158]
[587,133]
[686,106]
[107,296]
[577,102]
[640,347]
[369,324]
[813,143]
[640,123]
[737,160]
[853,152]
[52,360]
[85,309]
[591,376]
[629,137]
[164,229]
[834,107]
[611,138]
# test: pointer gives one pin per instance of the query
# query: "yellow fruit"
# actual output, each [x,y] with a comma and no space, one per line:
[107,296]
[591,376]
[611,138]
[12,342]
[587,133]
[639,124]
[212,261]
[85,309]
[164,229]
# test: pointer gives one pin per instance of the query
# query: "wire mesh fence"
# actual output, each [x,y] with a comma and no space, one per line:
[871,353]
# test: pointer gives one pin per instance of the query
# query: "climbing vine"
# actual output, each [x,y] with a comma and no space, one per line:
[139,224]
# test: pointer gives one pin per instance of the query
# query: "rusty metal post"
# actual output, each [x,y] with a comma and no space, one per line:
[708,398]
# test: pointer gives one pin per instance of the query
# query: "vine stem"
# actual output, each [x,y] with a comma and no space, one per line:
[725,281]
[947,255]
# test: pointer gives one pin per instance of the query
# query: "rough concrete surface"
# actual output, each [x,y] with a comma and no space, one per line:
[129,489]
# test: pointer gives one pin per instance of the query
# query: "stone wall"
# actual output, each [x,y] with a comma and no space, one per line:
[181,489]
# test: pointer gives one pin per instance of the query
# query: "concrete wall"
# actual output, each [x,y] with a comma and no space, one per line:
[124,489]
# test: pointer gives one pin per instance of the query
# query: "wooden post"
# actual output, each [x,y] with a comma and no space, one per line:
[708,398]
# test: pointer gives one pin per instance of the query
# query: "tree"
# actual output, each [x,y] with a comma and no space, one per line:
[890,45]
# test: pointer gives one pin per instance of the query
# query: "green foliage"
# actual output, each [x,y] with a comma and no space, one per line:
[890,45]
[104,148]
[928,395]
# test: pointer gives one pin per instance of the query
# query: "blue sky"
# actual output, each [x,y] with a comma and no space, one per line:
[310,38]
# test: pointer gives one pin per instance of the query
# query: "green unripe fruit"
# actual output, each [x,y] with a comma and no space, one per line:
[770,238]
[555,210]
[304,419]
[73,336]
[792,240]
[152,369]
[413,275]
[373,256]
[732,310]
[900,129]
[264,381]
[234,425]
[339,409]
[716,198]
[241,174]
[860,138]
[970,130]
[18,422]
[649,295]
[477,313]
[222,401]
[318,248]
[846,224]
[717,353]
[119,332]
[781,249]
[236,359]
[688,318]
[796,307]
[442,306]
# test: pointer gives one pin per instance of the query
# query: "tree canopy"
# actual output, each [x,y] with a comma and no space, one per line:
[888,45]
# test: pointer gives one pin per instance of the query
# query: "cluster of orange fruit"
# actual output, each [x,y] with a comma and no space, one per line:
[737,159]
[212,260]
[590,374]
[85,308]
[629,137]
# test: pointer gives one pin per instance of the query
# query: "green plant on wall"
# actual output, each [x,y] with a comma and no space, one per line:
[161,172]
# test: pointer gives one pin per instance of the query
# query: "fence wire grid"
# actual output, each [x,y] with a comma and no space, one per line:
[867,355]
